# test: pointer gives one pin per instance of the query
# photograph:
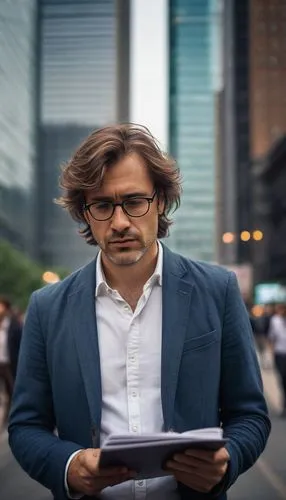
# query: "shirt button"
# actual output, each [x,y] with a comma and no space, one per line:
[126,308]
[134,428]
[141,483]
[134,394]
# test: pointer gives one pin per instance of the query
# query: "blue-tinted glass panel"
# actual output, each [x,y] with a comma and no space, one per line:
[193,29]
[78,95]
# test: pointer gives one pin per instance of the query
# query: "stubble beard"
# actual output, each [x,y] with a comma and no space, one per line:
[125,257]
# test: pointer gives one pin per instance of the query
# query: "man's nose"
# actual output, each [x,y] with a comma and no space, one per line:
[119,221]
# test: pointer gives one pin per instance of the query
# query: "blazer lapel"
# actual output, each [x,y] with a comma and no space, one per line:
[82,317]
[176,313]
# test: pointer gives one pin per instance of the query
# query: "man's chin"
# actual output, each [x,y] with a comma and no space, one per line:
[128,258]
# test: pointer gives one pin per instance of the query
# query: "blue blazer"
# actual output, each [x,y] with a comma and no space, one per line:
[210,374]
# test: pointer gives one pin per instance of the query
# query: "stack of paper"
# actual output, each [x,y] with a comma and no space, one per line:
[147,453]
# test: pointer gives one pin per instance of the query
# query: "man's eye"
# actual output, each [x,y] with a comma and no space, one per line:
[134,203]
[102,206]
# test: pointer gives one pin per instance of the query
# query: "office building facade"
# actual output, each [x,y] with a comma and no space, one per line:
[78,94]
[236,193]
[18,111]
[270,214]
[267,74]
[174,79]
[95,72]
[253,111]
[194,81]
[267,135]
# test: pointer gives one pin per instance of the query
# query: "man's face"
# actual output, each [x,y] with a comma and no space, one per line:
[123,239]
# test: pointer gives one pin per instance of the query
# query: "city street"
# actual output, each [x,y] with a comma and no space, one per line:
[265,481]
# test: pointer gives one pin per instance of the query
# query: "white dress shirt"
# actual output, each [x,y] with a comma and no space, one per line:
[4,327]
[130,359]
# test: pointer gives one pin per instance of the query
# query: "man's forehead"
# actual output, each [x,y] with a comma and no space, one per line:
[124,178]
[119,192]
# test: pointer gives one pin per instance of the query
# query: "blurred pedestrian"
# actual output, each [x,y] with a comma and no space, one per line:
[10,337]
[277,337]
[261,329]
[139,340]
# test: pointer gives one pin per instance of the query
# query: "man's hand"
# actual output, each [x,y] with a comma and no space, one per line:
[84,475]
[200,470]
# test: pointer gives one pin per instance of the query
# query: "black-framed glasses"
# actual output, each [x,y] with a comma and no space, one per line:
[133,207]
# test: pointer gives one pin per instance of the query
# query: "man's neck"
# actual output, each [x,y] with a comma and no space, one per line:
[133,276]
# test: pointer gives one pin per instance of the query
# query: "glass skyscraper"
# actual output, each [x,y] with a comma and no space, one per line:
[78,87]
[17,121]
[194,78]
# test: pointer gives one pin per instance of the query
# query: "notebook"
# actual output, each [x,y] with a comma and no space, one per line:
[147,453]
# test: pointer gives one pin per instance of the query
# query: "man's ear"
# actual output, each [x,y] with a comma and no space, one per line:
[161,204]
[86,217]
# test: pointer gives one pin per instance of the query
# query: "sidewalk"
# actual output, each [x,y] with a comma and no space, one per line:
[271,386]
[271,389]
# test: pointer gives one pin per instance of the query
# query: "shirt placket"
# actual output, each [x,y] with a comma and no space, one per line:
[133,386]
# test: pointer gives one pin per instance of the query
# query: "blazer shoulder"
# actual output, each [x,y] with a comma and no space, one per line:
[207,272]
[210,280]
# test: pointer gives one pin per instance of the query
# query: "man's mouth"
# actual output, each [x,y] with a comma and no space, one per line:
[119,242]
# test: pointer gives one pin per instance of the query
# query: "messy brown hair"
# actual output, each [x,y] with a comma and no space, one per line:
[100,151]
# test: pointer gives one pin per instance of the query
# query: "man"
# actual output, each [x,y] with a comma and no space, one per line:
[139,340]
[277,337]
[10,337]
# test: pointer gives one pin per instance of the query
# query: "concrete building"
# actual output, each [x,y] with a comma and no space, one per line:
[254,114]
[235,210]
[270,214]
[267,98]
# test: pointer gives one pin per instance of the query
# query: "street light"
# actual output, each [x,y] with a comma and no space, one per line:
[257,311]
[245,236]
[228,238]
[50,277]
[257,235]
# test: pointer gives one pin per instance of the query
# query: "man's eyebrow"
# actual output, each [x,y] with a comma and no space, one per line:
[123,197]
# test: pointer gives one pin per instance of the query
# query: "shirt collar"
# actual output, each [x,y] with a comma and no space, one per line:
[102,287]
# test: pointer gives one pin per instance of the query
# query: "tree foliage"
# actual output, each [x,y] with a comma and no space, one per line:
[19,275]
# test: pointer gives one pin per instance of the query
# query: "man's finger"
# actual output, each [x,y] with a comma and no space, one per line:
[193,462]
[219,456]
[172,465]
[111,471]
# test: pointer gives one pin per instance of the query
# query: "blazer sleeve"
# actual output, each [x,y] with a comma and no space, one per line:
[244,414]
[32,422]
